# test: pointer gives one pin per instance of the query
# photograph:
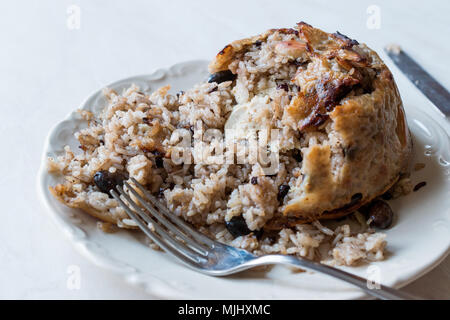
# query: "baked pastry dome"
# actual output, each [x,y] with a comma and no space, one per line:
[342,106]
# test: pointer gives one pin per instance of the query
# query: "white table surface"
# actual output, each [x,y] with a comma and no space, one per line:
[48,67]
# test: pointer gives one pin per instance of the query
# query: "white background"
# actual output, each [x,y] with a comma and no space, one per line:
[47,69]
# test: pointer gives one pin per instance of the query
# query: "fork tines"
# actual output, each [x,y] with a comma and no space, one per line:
[167,230]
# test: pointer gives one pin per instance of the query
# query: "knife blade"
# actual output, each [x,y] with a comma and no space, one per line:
[432,89]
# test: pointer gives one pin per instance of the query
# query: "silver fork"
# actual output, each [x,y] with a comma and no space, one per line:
[213,258]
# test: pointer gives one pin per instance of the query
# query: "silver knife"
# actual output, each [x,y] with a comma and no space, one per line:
[432,89]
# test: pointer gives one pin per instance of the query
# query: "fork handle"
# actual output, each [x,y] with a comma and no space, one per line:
[382,292]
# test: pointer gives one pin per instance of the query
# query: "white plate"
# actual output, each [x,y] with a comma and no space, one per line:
[418,241]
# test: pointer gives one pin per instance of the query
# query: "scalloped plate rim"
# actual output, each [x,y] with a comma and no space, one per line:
[126,271]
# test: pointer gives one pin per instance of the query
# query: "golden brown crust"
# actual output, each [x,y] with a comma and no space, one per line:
[352,120]
[227,54]
[287,222]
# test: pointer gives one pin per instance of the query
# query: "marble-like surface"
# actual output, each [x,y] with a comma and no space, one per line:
[52,58]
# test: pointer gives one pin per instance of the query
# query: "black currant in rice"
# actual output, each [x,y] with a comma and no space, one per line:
[282,191]
[222,76]
[237,226]
[297,155]
[380,214]
[107,181]
[159,162]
